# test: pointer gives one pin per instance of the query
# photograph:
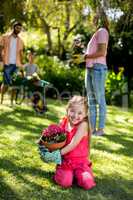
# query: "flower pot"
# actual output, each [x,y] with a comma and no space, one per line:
[54,146]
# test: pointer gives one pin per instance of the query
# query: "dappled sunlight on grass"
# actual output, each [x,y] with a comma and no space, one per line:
[43,182]
[112,154]
[15,136]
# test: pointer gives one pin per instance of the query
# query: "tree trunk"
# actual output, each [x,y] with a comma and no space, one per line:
[46,29]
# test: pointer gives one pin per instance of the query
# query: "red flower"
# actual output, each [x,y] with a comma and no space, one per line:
[53,133]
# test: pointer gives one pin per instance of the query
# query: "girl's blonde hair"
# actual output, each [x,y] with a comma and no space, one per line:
[79,100]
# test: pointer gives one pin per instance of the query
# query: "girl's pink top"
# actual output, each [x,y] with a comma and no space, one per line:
[80,152]
[100,36]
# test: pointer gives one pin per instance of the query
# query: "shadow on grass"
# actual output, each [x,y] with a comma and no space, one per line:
[19,173]
[107,187]
[122,140]
[6,191]
[21,119]
[120,133]
[115,188]
[18,170]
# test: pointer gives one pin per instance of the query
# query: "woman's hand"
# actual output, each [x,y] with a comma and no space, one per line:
[85,56]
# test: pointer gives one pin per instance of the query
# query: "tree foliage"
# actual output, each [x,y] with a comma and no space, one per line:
[10,11]
[60,20]
[56,18]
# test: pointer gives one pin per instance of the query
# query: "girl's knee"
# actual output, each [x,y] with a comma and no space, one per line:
[63,178]
[86,181]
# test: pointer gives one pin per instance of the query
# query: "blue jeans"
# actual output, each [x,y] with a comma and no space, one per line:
[8,72]
[95,86]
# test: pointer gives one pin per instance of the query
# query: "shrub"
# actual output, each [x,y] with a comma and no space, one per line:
[116,87]
[61,75]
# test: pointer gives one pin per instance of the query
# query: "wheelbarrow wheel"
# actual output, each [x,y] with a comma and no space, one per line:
[20,96]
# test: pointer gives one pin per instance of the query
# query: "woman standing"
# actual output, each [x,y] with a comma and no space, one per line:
[96,66]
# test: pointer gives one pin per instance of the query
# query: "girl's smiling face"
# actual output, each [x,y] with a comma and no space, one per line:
[76,114]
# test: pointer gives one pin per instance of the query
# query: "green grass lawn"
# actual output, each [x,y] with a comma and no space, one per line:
[23,176]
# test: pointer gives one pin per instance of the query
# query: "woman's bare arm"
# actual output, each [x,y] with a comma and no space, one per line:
[101,51]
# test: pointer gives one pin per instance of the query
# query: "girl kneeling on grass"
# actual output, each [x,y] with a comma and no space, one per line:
[74,163]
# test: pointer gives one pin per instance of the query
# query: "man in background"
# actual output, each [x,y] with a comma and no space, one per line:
[11,46]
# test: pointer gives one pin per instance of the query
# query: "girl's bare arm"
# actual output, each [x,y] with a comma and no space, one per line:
[81,132]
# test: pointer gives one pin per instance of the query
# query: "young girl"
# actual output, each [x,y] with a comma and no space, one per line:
[75,163]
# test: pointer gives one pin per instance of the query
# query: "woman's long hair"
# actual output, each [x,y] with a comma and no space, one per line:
[103,20]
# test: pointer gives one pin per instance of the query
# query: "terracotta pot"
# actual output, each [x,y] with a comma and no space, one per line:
[54,146]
